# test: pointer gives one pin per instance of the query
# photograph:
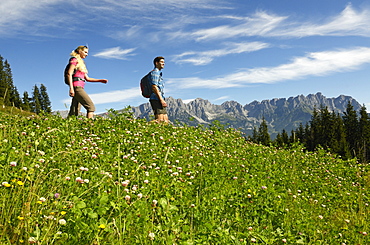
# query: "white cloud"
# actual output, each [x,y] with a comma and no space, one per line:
[113,96]
[222,98]
[115,53]
[205,57]
[263,24]
[348,22]
[313,64]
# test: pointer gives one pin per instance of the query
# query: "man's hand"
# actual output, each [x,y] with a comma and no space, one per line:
[163,102]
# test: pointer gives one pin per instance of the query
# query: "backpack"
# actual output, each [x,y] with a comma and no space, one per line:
[146,86]
[66,71]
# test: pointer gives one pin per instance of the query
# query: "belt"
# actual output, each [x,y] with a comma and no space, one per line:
[77,79]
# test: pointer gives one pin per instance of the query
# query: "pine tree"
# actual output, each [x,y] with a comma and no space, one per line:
[351,126]
[36,105]
[13,98]
[263,134]
[364,129]
[4,86]
[44,100]
[26,104]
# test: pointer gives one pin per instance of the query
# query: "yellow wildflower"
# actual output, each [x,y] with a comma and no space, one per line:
[63,212]
[20,182]
[102,226]
[20,218]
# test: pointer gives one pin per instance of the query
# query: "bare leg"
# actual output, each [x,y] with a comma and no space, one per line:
[90,114]
[162,118]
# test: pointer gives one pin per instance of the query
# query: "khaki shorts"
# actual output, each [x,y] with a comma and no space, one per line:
[80,98]
[157,107]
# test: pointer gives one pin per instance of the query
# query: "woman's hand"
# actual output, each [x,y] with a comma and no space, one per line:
[103,80]
[71,92]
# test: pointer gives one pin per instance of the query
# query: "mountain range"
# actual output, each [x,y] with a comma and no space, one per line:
[279,113]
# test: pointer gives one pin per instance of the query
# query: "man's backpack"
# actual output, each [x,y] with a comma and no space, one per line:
[146,86]
[66,71]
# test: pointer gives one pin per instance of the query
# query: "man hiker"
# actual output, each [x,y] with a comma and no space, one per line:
[157,100]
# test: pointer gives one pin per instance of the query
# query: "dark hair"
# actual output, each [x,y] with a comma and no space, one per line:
[157,59]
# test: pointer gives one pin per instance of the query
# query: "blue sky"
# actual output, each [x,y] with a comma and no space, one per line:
[241,50]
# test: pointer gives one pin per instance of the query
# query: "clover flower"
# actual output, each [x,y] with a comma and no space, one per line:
[13,164]
[151,235]
[62,222]
[32,240]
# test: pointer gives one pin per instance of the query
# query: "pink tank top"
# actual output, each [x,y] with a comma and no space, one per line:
[78,73]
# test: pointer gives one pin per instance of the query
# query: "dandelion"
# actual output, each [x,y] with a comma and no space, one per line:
[62,222]
[13,164]
[5,184]
[102,226]
[63,213]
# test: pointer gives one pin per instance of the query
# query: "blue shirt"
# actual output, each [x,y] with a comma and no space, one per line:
[155,78]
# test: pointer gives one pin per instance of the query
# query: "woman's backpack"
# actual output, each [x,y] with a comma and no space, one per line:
[66,71]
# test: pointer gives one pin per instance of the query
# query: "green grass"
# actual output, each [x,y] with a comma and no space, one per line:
[126,181]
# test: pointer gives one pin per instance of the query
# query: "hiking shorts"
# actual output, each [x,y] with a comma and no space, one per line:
[80,98]
[157,107]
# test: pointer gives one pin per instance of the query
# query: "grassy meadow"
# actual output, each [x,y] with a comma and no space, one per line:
[126,181]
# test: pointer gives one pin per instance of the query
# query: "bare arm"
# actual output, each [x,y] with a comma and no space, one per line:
[94,80]
[159,95]
[70,79]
